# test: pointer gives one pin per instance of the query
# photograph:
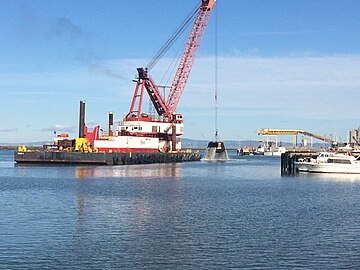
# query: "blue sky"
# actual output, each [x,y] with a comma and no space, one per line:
[281,64]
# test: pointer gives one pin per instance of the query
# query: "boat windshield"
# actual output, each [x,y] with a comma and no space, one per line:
[339,161]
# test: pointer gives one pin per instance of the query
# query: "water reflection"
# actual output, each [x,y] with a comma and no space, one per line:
[339,177]
[86,171]
[148,171]
[128,208]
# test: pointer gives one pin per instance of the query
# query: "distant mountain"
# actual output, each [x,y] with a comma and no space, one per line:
[189,143]
[24,143]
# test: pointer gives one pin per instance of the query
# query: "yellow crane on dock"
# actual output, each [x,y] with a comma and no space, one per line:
[295,132]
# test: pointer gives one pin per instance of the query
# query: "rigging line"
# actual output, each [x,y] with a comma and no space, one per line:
[165,47]
[175,62]
[216,72]
[167,75]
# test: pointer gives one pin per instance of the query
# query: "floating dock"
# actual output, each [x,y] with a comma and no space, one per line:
[114,158]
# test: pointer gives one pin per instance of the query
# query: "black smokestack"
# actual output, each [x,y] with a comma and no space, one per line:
[111,123]
[82,119]
[173,133]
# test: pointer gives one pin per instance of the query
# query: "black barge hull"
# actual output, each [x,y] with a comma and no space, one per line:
[114,158]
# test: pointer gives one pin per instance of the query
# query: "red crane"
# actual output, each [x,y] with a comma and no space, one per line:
[144,81]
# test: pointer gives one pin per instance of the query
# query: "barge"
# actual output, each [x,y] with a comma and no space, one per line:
[115,148]
[24,156]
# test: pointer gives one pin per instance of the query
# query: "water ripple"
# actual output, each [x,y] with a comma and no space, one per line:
[235,215]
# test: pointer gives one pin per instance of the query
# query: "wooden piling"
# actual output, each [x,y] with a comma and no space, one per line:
[288,163]
[289,158]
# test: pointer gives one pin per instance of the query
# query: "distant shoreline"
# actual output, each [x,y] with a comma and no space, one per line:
[8,147]
[13,147]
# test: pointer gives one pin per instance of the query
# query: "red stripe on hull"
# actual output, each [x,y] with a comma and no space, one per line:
[128,150]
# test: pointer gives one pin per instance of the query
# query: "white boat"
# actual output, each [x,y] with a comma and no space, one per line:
[275,152]
[328,162]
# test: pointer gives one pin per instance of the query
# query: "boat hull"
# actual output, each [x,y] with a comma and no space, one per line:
[313,167]
[115,158]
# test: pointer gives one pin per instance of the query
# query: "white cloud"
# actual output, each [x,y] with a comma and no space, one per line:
[310,84]
[60,128]
[320,92]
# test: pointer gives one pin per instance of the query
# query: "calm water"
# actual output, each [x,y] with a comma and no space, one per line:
[240,214]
